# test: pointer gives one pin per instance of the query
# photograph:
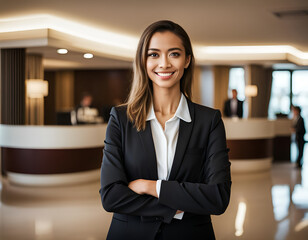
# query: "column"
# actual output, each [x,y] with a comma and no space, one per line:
[12,89]
[13,86]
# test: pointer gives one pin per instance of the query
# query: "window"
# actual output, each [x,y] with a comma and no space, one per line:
[300,92]
[280,95]
[300,89]
[237,81]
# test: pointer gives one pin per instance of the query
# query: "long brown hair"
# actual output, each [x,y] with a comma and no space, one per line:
[141,94]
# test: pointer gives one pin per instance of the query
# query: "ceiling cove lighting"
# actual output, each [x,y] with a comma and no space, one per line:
[41,21]
[88,55]
[284,49]
[62,51]
[282,52]
[111,43]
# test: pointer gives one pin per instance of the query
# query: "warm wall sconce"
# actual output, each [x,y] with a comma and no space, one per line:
[37,88]
[251,91]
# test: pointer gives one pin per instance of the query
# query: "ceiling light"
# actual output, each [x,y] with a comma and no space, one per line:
[88,55]
[123,46]
[62,51]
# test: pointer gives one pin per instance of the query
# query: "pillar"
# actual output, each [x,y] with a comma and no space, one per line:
[12,89]
[13,86]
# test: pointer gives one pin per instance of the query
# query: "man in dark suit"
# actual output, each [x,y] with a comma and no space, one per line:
[299,129]
[233,107]
[199,182]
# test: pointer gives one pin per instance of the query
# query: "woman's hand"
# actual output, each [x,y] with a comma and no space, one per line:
[142,186]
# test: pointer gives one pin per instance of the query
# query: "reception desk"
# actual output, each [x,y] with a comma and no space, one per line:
[254,143]
[51,155]
[58,155]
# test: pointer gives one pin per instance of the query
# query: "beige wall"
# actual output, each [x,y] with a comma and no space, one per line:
[262,77]
[221,83]
[196,86]
[64,90]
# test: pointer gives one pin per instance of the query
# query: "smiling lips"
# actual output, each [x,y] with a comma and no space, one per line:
[164,75]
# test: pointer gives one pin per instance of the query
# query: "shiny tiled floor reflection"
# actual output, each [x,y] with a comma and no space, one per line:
[269,205]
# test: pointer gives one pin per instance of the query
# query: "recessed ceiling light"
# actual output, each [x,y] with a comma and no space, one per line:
[88,55]
[62,51]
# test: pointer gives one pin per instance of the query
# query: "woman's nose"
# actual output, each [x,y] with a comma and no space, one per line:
[164,62]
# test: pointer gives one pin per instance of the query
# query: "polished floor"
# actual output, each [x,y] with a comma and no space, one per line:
[268,205]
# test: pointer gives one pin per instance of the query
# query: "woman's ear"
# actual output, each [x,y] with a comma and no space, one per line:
[187,61]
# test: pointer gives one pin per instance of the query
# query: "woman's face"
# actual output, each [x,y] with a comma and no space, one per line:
[166,60]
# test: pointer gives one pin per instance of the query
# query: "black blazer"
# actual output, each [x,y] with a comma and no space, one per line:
[199,182]
[227,108]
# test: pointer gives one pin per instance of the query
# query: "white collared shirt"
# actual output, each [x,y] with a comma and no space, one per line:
[165,141]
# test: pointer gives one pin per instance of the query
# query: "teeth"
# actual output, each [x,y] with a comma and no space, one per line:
[164,74]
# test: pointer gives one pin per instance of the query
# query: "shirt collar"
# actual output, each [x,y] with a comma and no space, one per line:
[182,111]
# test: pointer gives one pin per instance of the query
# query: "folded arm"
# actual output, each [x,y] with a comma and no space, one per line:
[115,194]
[212,194]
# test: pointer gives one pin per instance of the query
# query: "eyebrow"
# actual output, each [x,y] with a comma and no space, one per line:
[169,50]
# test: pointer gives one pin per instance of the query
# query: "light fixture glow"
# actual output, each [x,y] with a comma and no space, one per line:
[240,219]
[37,88]
[88,55]
[112,43]
[251,91]
[43,227]
[62,51]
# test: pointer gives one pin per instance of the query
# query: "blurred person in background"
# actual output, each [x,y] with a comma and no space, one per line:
[299,130]
[233,107]
[84,113]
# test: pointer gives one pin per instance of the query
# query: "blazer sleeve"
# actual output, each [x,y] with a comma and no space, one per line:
[116,196]
[211,196]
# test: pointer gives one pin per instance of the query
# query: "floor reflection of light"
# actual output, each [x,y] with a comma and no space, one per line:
[281,201]
[282,229]
[43,227]
[301,225]
[300,196]
[240,219]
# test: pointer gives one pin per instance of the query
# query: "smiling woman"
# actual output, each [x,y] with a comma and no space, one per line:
[168,62]
[165,167]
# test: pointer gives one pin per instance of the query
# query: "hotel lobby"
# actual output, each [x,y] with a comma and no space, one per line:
[55,53]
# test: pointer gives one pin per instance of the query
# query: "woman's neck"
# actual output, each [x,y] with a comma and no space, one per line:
[166,101]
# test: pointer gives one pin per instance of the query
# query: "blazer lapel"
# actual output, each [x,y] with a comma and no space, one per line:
[185,130]
[149,150]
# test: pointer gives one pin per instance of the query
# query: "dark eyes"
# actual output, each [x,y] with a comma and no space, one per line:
[152,55]
[172,54]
